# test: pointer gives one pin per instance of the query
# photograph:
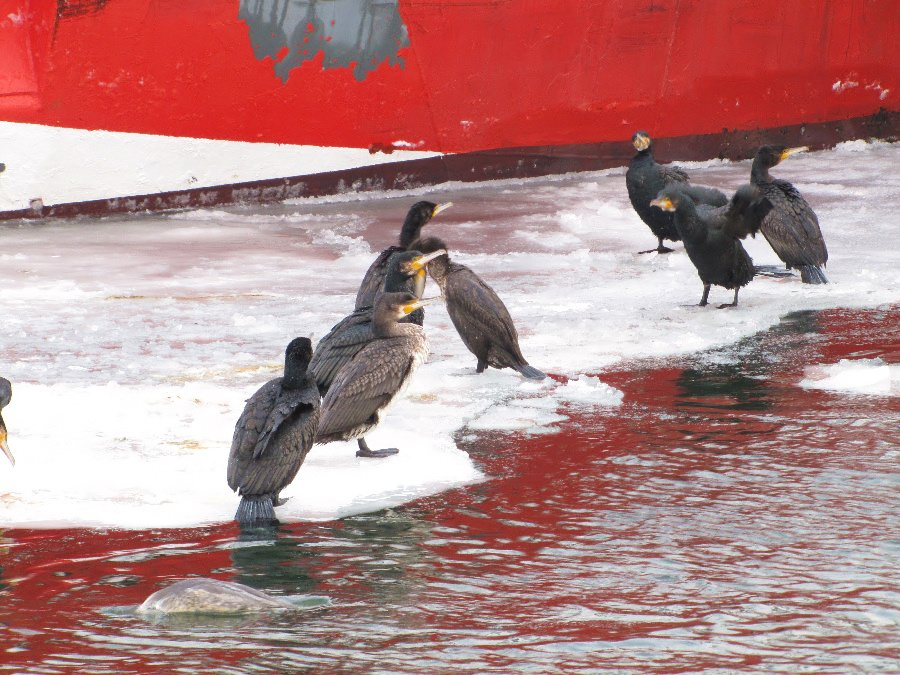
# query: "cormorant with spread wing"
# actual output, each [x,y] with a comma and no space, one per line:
[645,179]
[367,383]
[712,235]
[477,312]
[273,436]
[791,228]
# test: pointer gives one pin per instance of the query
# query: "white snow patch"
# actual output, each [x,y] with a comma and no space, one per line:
[587,390]
[855,376]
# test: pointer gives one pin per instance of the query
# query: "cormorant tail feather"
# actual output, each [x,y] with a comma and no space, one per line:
[256,510]
[531,372]
[812,274]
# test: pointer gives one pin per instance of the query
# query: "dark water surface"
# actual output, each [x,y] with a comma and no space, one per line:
[723,519]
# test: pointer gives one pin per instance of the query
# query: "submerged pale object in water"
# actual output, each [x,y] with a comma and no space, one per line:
[211,596]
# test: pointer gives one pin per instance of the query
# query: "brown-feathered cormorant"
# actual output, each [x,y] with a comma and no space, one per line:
[479,315]
[419,215]
[366,384]
[791,228]
[712,235]
[404,273]
[5,398]
[645,179]
[273,436]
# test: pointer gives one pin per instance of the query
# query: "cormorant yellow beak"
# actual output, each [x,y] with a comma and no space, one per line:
[419,263]
[641,143]
[664,203]
[441,207]
[791,151]
[411,307]
[3,446]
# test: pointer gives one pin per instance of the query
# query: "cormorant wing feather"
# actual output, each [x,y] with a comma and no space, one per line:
[373,279]
[367,384]
[673,174]
[791,227]
[252,466]
[702,194]
[476,310]
[340,345]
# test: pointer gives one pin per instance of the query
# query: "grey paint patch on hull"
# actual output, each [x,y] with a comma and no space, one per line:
[357,33]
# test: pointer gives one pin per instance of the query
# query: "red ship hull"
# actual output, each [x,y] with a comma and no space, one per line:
[456,77]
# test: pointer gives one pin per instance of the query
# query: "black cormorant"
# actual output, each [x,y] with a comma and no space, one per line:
[479,315]
[791,228]
[712,235]
[366,384]
[419,215]
[273,436]
[404,273]
[644,180]
[5,398]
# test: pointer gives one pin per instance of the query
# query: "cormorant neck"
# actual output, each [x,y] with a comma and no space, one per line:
[439,269]
[295,376]
[759,172]
[687,218]
[411,229]
[385,325]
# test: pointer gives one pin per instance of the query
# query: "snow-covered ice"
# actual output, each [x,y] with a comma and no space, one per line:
[855,376]
[133,342]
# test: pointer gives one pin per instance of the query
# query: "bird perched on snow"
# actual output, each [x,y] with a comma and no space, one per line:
[377,373]
[419,215]
[712,235]
[5,398]
[405,273]
[479,315]
[791,228]
[645,179]
[273,436]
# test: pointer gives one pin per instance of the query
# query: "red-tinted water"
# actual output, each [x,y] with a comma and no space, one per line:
[723,519]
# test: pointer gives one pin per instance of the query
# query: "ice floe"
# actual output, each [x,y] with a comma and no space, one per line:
[133,342]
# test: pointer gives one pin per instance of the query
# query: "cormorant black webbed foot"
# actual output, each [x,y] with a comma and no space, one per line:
[660,248]
[704,301]
[482,366]
[727,304]
[366,451]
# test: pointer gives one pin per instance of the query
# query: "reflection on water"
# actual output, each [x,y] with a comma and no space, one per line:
[722,519]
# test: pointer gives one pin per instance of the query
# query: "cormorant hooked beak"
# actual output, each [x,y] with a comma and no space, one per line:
[640,141]
[411,307]
[418,263]
[441,207]
[663,203]
[3,445]
[787,152]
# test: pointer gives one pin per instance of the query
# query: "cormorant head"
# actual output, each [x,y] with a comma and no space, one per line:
[418,216]
[398,305]
[668,199]
[771,155]
[413,262]
[432,246]
[5,398]
[641,141]
[298,354]
[407,265]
